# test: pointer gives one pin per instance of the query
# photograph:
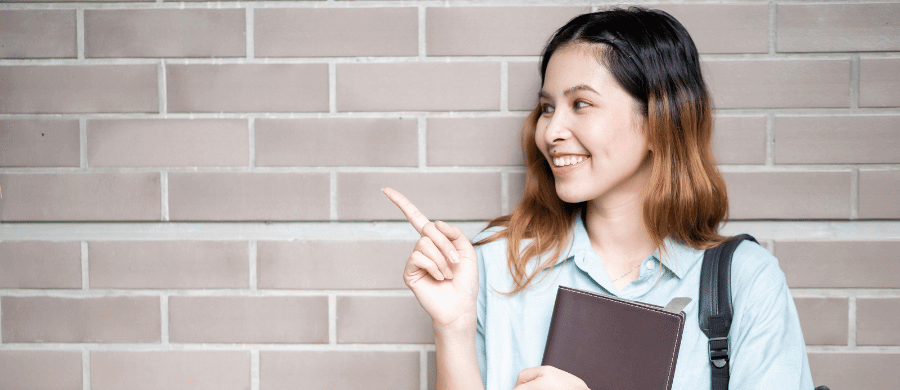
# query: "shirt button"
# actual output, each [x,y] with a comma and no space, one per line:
[651,264]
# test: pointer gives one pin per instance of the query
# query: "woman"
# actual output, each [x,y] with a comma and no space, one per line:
[622,197]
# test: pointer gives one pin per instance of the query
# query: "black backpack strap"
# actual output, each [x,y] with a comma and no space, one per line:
[715,305]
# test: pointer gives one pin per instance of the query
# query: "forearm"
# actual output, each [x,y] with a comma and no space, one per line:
[457,363]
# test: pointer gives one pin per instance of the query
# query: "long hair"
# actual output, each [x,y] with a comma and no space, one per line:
[652,57]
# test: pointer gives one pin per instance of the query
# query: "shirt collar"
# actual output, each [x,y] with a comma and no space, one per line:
[677,257]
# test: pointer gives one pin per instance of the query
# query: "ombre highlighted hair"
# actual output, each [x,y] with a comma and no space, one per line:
[652,57]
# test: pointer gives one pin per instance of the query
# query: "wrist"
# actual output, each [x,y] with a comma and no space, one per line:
[460,328]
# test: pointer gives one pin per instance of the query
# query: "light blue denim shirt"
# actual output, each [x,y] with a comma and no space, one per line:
[765,343]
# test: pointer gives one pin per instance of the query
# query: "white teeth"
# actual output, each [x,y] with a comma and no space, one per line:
[568,160]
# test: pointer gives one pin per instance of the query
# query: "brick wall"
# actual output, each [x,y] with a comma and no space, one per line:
[191,190]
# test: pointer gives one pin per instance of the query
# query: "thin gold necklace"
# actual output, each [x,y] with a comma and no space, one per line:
[629,271]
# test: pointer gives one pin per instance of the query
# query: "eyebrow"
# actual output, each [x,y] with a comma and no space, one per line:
[580,87]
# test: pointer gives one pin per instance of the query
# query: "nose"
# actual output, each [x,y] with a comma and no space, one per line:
[557,128]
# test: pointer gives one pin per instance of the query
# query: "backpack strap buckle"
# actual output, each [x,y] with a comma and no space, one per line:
[718,351]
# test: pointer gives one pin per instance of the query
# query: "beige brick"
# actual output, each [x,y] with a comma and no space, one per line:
[878,193]
[859,370]
[80,197]
[337,142]
[39,143]
[524,85]
[479,31]
[247,88]
[40,89]
[837,139]
[516,189]
[248,196]
[877,319]
[132,319]
[740,139]
[332,264]
[474,141]
[174,370]
[37,34]
[838,27]
[824,320]
[788,195]
[840,264]
[420,86]
[40,264]
[288,370]
[168,143]
[311,32]
[40,370]
[878,82]
[779,83]
[451,196]
[248,319]
[164,33]
[169,264]
[382,320]
[724,28]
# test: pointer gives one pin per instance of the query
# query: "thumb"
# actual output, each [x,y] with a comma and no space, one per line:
[456,237]
[528,375]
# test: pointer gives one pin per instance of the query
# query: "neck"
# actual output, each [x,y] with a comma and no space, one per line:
[617,232]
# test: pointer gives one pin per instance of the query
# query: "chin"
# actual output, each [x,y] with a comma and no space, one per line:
[570,195]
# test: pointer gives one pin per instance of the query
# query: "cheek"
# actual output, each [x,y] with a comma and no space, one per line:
[539,138]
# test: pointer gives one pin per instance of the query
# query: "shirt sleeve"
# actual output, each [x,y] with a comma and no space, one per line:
[766,344]
[481,308]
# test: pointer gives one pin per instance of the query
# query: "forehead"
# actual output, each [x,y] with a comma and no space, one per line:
[577,64]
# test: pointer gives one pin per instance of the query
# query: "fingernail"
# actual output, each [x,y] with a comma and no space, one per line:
[454,256]
[448,273]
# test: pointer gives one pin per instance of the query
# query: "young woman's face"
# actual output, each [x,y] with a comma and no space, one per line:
[590,130]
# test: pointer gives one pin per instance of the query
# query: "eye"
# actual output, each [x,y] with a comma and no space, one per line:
[546,109]
[580,104]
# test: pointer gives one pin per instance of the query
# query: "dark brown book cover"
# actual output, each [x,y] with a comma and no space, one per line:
[614,343]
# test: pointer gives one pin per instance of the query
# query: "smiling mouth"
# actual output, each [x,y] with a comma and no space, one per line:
[564,161]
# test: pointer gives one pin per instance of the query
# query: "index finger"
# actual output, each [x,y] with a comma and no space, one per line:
[413,215]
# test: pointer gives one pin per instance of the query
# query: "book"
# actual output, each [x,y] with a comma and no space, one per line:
[615,343]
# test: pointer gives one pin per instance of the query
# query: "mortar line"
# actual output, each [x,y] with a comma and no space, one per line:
[164,318]
[333,196]
[252,251]
[773,30]
[423,369]
[504,86]
[251,142]
[164,195]
[504,192]
[332,319]
[422,31]
[854,193]
[332,87]
[851,322]
[161,88]
[422,130]
[854,82]
[79,32]
[770,140]
[249,32]
[254,369]
[85,266]
[83,147]
[85,368]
